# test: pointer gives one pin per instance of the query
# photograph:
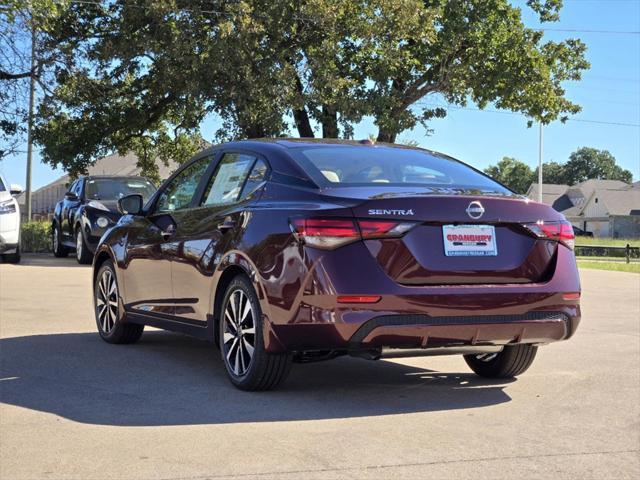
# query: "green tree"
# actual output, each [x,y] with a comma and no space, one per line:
[142,75]
[590,163]
[463,51]
[21,22]
[133,82]
[513,173]
[553,172]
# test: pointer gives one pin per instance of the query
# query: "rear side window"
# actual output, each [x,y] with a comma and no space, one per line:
[356,165]
[227,182]
[255,179]
[2,187]
[177,195]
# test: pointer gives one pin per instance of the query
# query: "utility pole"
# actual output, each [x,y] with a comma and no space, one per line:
[32,91]
[540,166]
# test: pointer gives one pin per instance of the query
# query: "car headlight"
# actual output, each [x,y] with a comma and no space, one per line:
[102,222]
[8,206]
[97,205]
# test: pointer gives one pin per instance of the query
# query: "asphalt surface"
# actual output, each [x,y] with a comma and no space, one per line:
[74,407]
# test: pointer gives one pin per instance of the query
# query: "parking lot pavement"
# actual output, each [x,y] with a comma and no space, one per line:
[74,407]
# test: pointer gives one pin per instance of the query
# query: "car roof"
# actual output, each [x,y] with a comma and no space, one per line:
[297,143]
[112,177]
[280,150]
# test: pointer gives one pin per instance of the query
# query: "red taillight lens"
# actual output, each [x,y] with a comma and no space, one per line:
[319,227]
[559,231]
[332,233]
[383,228]
[325,232]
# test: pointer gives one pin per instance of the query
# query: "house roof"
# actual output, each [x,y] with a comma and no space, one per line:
[618,197]
[120,165]
[589,186]
[619,202]
[550,192]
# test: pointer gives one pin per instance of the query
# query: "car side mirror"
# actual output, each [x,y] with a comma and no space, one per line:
[71,196]
[15,189]
[130,204]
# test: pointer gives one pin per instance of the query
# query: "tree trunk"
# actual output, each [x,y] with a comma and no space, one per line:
[253,131]
[386,136]
[300,115]
[329,123]
[303,124]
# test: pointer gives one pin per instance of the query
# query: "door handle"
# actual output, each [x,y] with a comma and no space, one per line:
[228,224]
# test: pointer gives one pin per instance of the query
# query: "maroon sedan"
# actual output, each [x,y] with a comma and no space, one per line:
[301,250]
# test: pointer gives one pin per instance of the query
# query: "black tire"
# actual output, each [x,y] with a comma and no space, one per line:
[83,254]
[59,250]
[509,363]
[12,257]
[111,327]
[265,371]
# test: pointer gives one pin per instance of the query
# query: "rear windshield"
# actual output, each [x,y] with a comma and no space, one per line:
[115,188]
[355,165]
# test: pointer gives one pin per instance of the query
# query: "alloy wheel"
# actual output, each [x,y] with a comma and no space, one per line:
[487,357]
[107,301]
[79,245]
[239,331]
[55,239]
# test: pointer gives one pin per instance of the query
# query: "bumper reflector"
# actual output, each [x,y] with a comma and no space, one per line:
[571,296]
[359,298]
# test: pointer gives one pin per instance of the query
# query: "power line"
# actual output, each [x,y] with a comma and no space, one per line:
[575,30]
[504,112]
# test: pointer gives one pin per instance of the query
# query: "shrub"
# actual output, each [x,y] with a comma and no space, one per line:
[36,236]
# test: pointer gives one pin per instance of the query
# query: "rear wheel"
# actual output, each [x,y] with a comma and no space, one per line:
[58,249]
[83,254]
[248,365]
[107,309]
[510,362]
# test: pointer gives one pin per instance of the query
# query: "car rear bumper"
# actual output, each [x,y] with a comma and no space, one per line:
[428,317]
[9,237]
[425,332]
[7,247]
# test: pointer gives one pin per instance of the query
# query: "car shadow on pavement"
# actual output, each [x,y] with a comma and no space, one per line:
[169,379]
[48,260]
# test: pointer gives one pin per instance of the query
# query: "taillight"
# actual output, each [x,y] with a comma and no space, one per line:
[561,231]
[331,233]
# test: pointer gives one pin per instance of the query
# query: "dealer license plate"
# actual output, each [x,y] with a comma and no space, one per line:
[469,241]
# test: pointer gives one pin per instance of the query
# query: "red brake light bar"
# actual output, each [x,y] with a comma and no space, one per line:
[561,231]
[331,233]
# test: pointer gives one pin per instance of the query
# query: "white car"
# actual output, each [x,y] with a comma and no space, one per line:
[9,222]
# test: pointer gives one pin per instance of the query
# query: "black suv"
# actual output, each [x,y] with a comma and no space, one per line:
[88,209]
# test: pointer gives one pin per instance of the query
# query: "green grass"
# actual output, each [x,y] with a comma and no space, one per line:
[606,259]
[608,242]
[614,266]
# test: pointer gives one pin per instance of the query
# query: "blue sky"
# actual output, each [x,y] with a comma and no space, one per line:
[609,92]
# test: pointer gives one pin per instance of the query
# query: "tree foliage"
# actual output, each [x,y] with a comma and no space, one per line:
[21,22]
[512,173]
[553,172]
[590,163]
[583,164]
[142,75]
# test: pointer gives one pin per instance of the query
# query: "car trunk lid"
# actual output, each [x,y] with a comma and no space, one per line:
[419,257]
